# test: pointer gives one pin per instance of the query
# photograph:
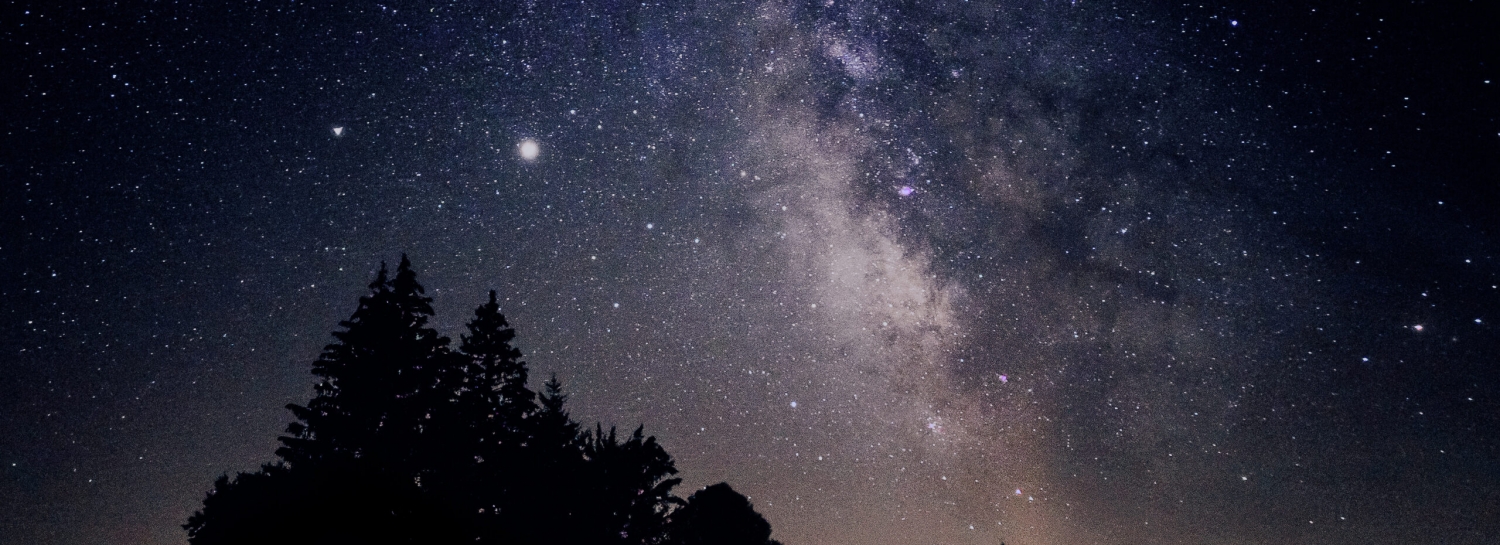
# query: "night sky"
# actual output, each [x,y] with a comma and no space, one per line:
[942,272]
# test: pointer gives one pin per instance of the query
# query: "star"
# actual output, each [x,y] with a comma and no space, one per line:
[529,149]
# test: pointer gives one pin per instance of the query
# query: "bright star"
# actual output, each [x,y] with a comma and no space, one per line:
[529,149]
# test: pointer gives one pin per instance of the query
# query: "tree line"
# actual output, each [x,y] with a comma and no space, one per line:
[409,439]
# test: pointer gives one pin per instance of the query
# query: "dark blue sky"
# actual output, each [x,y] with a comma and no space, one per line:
[1040,271]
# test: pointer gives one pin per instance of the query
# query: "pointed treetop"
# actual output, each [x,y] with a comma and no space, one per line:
[382,278]
[489,333]
[553,396]
[406,278]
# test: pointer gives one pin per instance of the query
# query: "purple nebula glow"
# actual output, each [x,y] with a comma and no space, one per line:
[906,190]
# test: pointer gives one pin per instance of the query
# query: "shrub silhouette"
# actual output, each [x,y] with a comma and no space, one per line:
[408,440]
[718,515]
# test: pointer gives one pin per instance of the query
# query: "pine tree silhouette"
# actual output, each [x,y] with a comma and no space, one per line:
[378,382]
[550,511]
[496,368]
[492,396]
[407,440]
[553,428]
[493,407]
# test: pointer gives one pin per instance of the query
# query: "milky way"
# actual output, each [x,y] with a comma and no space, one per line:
[958,272]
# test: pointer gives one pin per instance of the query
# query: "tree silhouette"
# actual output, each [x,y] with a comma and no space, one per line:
[551,510]
[374,381]
[335,505]
[494,408]
[553,428]
[407,440]
[631,491]
[492,394]
[718,515]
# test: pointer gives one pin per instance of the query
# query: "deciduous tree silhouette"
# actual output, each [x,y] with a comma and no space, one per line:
[630,489]
[407,440]
[718,515]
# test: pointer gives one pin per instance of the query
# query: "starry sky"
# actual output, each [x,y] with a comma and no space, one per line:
[1042,271]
